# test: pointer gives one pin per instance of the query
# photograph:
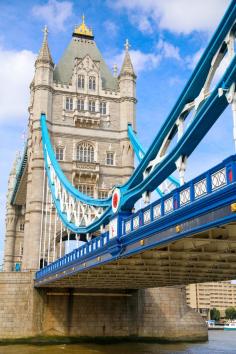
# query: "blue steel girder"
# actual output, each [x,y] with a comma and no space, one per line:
[204,119]
[64,193]
[140,152]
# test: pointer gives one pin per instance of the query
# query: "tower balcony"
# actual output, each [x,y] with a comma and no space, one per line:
[86,118]
[83,170]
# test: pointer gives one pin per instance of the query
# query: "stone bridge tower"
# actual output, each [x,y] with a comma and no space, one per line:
[88,110]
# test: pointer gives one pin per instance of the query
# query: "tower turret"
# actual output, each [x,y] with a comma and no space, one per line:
[127,84]
[11,219]
[41,101]
[44,63]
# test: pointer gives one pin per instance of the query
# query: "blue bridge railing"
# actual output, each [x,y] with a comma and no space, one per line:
[78,254]
[200,187]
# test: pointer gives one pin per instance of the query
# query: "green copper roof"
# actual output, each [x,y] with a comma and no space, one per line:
[79,48]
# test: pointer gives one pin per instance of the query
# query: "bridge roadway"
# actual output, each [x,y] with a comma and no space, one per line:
[188,236]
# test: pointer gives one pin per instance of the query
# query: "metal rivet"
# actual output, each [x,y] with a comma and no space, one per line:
[178,228]
[233,207]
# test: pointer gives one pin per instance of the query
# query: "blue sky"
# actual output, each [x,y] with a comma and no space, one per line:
[167,38]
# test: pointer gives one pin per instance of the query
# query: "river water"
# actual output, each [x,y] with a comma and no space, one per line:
[219,342]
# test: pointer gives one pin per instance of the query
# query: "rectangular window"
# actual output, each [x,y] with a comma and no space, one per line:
[69,103]
[80,105]
[87,189]
[81,81]
[103,108]
[92,83]
[110,158]
[103,194]
[22,226]
[91,106]
[60,153]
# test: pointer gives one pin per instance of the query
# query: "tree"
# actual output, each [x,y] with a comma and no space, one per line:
[215,314]
[230,313]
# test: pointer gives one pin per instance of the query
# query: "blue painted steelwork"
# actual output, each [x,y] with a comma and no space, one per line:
[211,190]
[49,155]
[189,93]
[140,152]
[63,179]
[207,115]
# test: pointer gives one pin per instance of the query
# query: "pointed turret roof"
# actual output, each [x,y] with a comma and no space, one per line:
[15,164]
[44,53]
[127,66]
[82,44]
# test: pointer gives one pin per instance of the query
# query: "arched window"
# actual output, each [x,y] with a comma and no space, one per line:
[81,81]
[85,152]
[92,83]
[59,153]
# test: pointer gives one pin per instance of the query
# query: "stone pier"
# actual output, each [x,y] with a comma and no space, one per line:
[160,314]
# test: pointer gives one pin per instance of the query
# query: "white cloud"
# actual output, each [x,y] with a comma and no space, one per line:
[141,61]
[179,16]
[168,50]
[54,13]
[17,70]
[147,61]
[142,22]
[144,61]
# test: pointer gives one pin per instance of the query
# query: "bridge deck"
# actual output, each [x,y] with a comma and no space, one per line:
[188,243]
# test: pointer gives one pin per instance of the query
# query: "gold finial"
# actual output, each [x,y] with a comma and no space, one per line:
[83,29]
[127,45]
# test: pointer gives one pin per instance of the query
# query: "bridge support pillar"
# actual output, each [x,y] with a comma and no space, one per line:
[165,315]
[160,314]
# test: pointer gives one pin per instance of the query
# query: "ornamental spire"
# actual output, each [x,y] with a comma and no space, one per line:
[44,53]
[127,66]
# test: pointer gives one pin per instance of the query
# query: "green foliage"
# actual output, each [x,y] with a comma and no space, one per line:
[230,313]
[215,314]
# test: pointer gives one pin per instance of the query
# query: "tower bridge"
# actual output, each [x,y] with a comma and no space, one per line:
[71,201]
